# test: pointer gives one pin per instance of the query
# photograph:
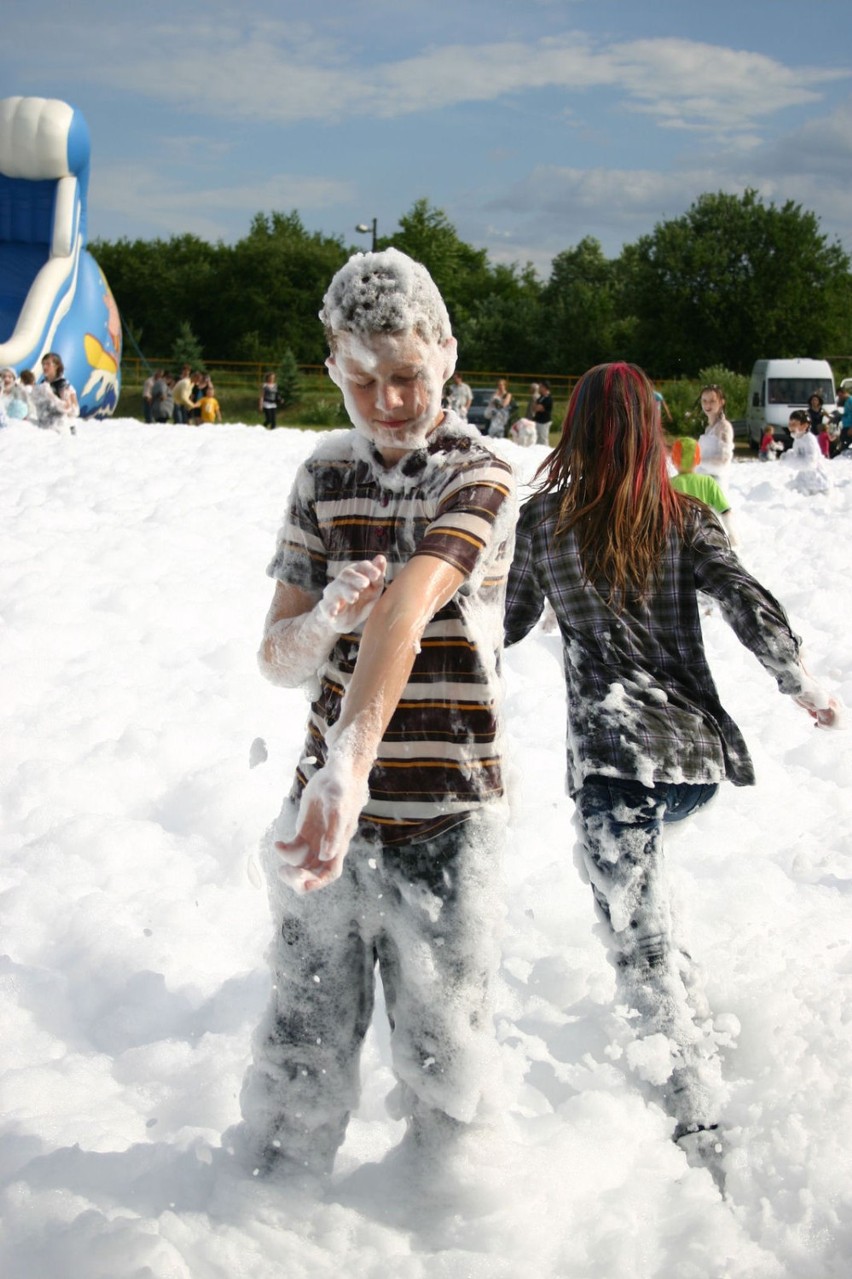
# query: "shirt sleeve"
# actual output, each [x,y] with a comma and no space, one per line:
[755,616]
[300,556]
[524,596]
[480,491]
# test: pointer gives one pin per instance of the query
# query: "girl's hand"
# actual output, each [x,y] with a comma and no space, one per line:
[829,716]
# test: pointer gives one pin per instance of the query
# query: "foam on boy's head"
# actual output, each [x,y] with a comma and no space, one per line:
[385,292]
[686,453]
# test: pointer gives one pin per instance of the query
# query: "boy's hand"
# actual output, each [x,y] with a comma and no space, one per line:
[348,600]
[328,818]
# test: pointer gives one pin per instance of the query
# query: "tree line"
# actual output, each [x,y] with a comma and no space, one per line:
[729,281]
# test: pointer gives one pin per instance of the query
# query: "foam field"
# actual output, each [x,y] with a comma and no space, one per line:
[134,923]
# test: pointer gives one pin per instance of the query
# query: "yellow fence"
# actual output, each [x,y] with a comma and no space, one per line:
[250,373]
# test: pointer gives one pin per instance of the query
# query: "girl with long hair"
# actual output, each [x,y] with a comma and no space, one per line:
[621,558]
[717,439]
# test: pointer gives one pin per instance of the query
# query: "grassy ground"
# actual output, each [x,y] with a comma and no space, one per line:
[320,407]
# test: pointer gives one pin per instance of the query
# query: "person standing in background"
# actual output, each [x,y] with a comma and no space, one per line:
[182,396]
[543,414]
[460,396]
[161,397]
[717,440]
[147,393]
[268,403]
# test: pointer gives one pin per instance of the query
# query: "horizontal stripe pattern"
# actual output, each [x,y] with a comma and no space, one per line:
[456,501]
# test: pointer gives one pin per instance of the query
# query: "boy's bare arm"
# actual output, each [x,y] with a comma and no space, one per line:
[334,797]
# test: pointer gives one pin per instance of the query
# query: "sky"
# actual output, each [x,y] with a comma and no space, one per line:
[132,968]
[529,125]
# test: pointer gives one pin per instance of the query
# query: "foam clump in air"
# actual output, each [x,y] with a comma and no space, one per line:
[386,292]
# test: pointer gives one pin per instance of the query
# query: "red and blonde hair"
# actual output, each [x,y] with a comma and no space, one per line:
[609,472]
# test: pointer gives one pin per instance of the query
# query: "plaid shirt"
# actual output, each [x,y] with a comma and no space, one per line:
[642,704]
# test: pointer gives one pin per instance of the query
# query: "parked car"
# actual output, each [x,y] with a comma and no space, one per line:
[779,386]
[478,405]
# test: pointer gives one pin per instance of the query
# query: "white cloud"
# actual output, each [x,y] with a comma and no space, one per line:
[287,73]
[820,148]
[231,71]
[699,85]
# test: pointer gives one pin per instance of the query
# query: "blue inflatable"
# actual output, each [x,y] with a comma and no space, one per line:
[53,295]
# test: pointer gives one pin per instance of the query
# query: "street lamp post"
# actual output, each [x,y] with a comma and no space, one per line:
[364,229]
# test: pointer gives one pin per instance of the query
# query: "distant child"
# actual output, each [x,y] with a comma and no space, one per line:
[686,455]
[805,458]
[828,436]
[832,431]
[269,401]
[816,412]
[661,406]
[13,399]
[523,432]
[769,446]
[27,381]
[208,407]
[54,398]
[845,420]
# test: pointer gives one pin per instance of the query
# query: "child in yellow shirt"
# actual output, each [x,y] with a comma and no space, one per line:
[208,407]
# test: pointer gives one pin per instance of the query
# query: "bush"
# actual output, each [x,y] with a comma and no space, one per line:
[322,412]
[683,398]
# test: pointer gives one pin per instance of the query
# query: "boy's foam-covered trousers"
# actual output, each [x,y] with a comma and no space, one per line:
[620,824]
[426,915]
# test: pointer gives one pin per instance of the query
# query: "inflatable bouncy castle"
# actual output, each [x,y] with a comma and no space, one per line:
[53,296]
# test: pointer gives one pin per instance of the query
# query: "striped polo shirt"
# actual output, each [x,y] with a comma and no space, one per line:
[439,758]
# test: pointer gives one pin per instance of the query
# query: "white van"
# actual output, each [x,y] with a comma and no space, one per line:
[779,386]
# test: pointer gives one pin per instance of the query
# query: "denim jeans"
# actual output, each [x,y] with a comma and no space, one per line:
[424,914]
[620,826]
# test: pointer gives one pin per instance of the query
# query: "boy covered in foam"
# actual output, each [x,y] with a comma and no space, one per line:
[390,577]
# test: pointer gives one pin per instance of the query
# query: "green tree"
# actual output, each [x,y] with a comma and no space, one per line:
[495,310]
[426,234]
[582,320]
[500,326]
[734,279]
[155,281]
[186,348]
[289,382]
[271,283]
